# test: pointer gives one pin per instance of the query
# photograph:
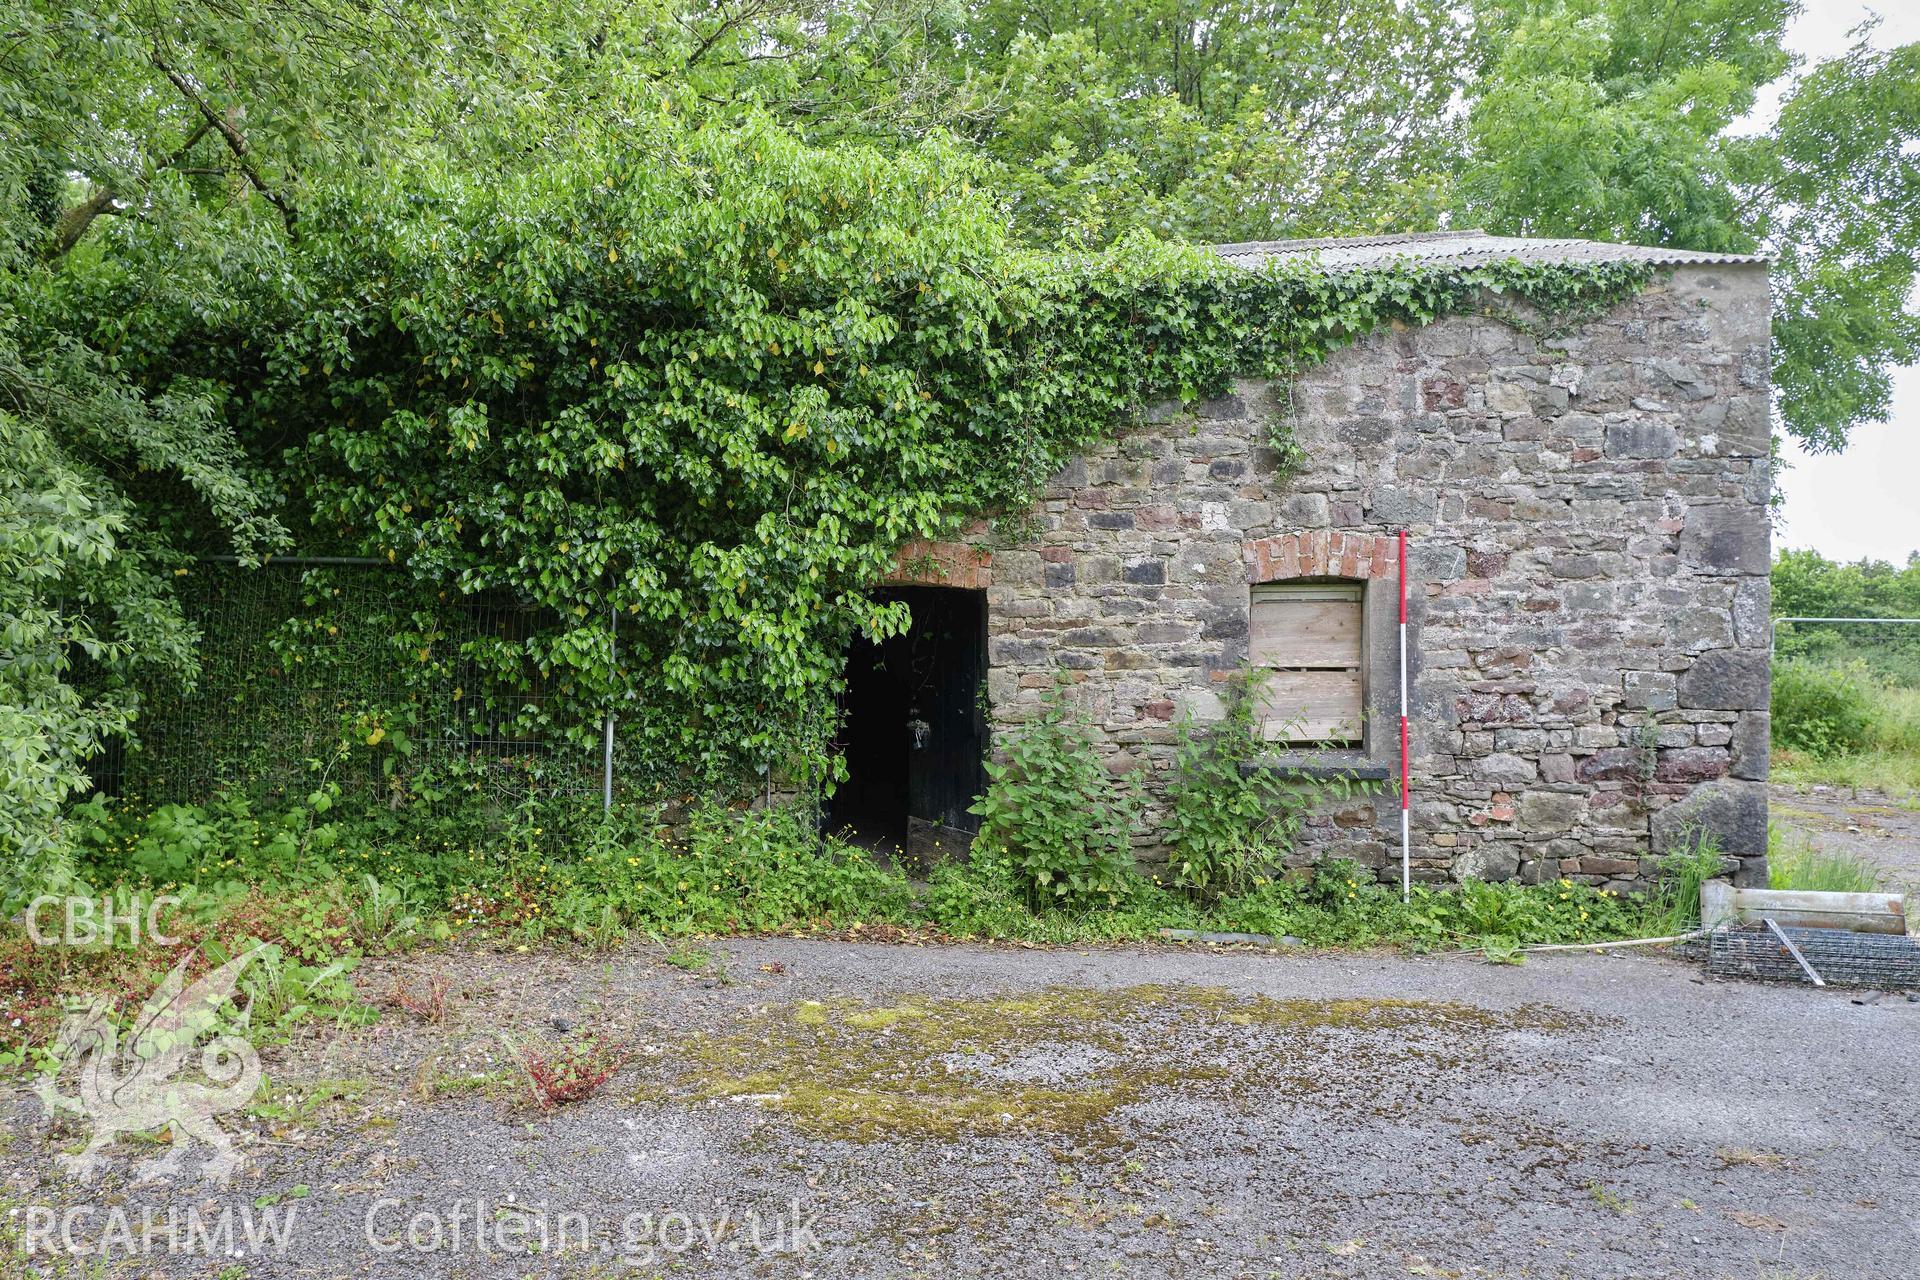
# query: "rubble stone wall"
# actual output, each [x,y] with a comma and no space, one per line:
[1588,579]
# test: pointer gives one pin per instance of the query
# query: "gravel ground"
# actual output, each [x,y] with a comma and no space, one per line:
[1879,828]
[923,1110]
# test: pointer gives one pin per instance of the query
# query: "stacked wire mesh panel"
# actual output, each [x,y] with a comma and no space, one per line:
[1840,956]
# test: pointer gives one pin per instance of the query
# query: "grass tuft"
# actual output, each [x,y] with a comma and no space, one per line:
[1794,863]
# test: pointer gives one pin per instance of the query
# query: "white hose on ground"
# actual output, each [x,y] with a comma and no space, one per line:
[1606,946]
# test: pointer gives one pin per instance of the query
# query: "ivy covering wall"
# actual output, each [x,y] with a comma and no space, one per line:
[707,381]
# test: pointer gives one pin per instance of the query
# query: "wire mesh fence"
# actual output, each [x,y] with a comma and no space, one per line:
[353,673]
[1840,957]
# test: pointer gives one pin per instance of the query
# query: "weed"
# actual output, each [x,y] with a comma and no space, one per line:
[691,959]
[431,1086]
[1794,863]
[1058,821]
[1673,904]
[1646,746]
[1500,950]
[281,990]
[1730,1157]
[571,1072]
[1607,1199]
[300,1103]
[382,918]
[1232,822]
[428,1006]
[605,933]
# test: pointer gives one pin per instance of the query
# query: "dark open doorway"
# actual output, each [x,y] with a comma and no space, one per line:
[913,731]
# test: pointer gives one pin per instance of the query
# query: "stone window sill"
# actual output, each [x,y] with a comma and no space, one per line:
[1320,766]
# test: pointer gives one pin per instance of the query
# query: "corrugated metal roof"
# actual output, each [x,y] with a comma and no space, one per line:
[1459,248]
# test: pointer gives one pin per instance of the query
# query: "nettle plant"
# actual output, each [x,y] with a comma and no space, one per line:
[707,380]
[1054,819]
[1232,818]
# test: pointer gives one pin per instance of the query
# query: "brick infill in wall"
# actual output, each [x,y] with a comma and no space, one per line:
[1320,553]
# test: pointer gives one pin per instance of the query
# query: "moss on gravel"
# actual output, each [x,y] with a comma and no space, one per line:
[1060,1060]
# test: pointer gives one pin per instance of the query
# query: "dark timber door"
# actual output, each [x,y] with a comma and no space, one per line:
[913,730]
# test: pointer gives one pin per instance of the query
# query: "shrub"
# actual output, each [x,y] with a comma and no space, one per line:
[1896,722]
[978,898]
[1232,823]
[733,869]
[1822,710]
[1061,822]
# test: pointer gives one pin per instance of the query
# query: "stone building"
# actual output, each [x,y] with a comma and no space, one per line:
[1587,523]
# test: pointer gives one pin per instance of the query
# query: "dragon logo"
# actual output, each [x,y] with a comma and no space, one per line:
[132,1089]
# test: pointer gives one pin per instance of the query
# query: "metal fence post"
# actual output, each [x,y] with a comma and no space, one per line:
[606,762]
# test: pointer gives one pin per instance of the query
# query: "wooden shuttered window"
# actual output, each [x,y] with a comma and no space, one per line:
[1306,640]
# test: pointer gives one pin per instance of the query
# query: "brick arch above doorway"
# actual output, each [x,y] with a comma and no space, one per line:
[941,564]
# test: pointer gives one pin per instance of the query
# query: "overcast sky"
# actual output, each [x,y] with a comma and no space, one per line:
[1865,501]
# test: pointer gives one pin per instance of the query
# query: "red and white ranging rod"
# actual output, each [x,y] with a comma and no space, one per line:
[1406,840]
